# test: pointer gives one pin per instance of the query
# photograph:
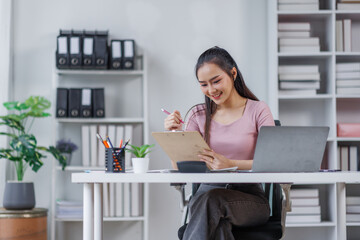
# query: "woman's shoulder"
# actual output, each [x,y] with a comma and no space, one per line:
[257,105]
[261,112]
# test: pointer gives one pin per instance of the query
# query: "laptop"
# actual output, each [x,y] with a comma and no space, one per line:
[289,149]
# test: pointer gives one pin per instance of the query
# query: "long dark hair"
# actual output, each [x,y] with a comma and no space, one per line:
[223,60]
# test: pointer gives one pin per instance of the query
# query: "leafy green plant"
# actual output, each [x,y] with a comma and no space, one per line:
[140,152]
[23,150]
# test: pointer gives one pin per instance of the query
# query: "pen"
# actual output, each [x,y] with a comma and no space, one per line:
[123,146]
[169,114]
[126,144]
[121,141]
[108,139]
[102,140]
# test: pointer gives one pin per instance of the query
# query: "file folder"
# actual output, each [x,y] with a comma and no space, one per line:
[101,49]
[61,102]
[116,54]
[98,103]
[62,51]
[129,54]
[74,102]
[88,49]
[75,49]
[86,103]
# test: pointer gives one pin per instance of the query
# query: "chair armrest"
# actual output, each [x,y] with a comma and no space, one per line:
[286,192]
[181,188]
[286,204]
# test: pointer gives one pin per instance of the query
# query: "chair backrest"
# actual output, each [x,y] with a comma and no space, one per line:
[275,196]
[273,192]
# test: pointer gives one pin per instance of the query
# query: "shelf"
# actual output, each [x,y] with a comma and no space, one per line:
[79,72]
[100,120]
[326,108]
[347,11]
[305,54]
[318,96]
[348,96]
[348,139]
[106,219]
[353,224]
[307,13]
[356,54]
[320,224]
[126,93]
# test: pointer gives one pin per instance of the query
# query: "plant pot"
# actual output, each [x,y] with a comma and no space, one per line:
[19,195]
[140,165]
[68,158]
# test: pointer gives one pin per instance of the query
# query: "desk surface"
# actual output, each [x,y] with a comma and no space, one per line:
[300,178]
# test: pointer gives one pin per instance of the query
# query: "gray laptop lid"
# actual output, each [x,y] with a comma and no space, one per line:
[290,149]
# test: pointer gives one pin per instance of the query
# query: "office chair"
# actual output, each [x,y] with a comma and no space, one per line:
[274,229]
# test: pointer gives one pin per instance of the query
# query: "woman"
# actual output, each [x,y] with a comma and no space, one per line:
[229,121]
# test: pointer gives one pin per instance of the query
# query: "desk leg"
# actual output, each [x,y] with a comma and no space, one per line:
[88,227]
[341,210]
[98,212]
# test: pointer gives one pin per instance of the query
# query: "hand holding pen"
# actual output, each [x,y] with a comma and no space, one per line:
[173,121]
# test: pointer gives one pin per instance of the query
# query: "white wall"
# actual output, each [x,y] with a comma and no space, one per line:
[5,76]
[173,33]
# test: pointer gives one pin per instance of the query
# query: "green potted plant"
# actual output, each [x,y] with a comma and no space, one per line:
[66,147]
[140,162]
[23,149]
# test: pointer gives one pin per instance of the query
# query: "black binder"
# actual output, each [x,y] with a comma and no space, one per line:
[98,103]
[62,102]
[74,102]
[116,54]
[101,49]
[75,49]
[86,103]
[88,49]
[62,51]
[128,54]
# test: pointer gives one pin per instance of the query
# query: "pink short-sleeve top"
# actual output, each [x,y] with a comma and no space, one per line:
[236,140]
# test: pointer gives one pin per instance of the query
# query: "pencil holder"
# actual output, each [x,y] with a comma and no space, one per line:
[115,160]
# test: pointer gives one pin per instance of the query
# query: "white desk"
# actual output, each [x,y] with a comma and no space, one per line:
[93,212]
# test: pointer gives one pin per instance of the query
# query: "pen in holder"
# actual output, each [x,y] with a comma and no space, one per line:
[115,160]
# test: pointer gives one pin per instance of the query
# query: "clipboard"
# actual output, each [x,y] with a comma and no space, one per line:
[180,145]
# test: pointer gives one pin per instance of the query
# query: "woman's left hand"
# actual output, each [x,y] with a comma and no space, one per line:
[215,160]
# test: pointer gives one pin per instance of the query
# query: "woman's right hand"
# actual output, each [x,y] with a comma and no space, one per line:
[172,122]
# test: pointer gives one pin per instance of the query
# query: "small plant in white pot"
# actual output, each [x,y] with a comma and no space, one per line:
[140,162]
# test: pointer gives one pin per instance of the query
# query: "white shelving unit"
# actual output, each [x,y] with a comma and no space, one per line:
[125,103]
[326,108]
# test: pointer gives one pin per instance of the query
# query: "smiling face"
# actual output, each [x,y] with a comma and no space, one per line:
[215,83]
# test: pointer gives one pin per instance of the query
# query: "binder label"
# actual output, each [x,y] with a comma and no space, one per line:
[74,45]
[62,42]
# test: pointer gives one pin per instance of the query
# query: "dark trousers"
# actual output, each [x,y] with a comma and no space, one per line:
[214,209]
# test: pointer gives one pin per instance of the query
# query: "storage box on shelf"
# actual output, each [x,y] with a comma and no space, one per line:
[328,104]
[125,118]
